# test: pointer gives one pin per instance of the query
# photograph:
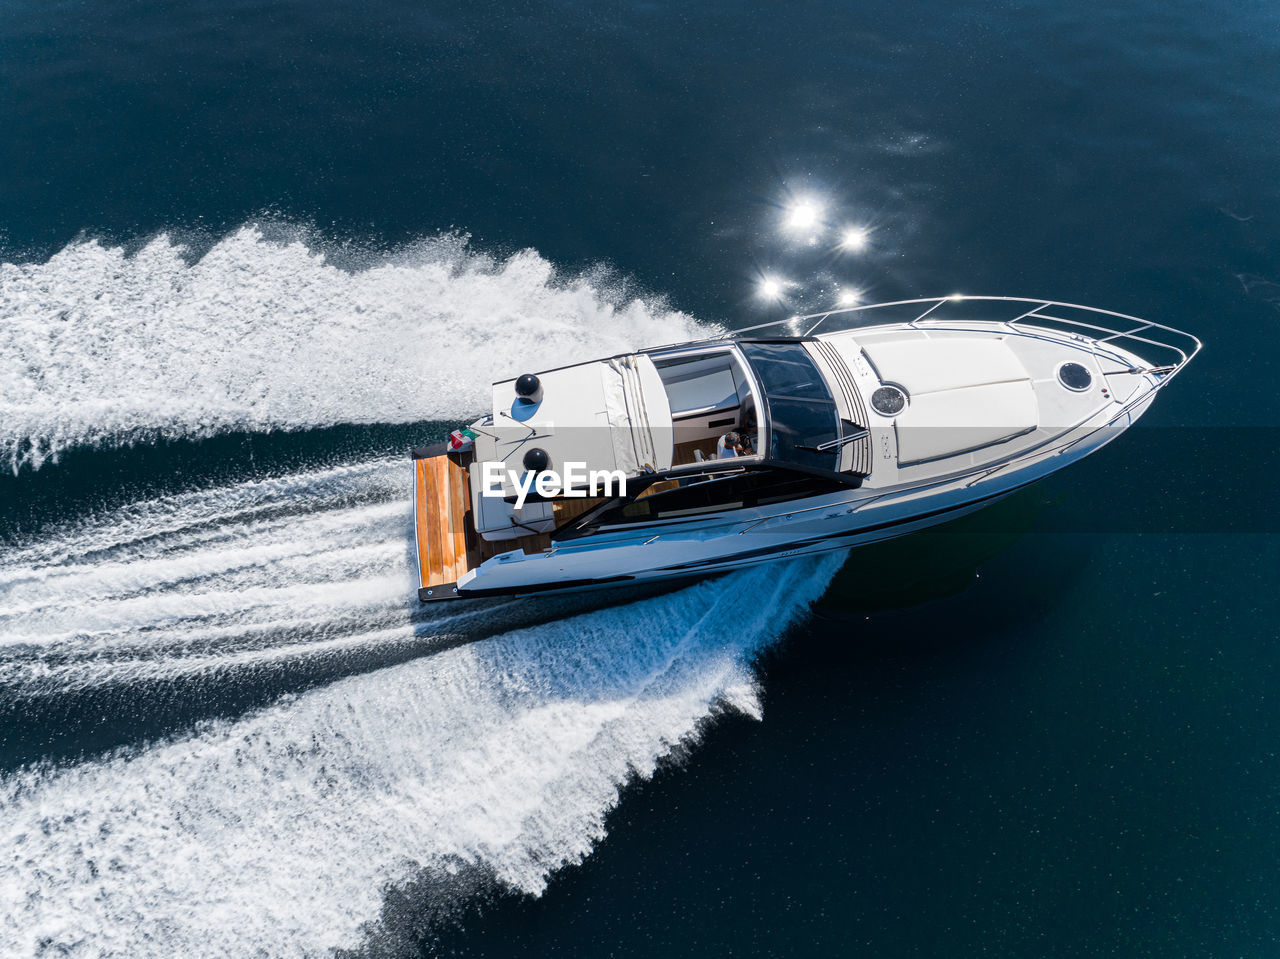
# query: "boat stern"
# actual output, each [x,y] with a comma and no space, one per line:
[446,544]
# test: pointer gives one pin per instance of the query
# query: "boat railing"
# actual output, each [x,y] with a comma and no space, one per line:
[1091,326]
[1025,316]
[1030,320]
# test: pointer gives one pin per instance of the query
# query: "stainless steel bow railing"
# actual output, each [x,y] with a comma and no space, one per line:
[1028,320]
[1025,316]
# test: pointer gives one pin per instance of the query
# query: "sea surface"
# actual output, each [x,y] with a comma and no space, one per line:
[253,252]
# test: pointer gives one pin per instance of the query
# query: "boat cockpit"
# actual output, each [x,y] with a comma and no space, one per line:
[697,430]
[726,389]
[789,453]
[710,394]
[717,488]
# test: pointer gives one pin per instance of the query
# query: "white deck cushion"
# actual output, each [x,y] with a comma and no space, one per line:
[956,421]
[921,365]
[494,516]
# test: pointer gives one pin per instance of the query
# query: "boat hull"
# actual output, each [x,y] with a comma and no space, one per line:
[839,524]
[993,407]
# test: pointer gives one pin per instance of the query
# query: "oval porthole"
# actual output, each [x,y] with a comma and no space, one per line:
[1075,377]
[888,401]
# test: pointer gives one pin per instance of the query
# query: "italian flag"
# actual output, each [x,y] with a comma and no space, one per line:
[461,440]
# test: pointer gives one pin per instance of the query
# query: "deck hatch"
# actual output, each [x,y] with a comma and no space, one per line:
[1075,377]
[888,401]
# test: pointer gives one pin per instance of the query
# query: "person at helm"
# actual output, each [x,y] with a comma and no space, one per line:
[729,445]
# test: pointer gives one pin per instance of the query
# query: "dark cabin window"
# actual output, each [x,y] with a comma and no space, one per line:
[711,494]
[802,414]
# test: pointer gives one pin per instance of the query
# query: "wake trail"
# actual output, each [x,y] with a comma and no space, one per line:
[365,740]
[280,831]
[101,347]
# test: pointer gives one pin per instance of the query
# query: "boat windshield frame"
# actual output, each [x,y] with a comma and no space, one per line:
[799,413]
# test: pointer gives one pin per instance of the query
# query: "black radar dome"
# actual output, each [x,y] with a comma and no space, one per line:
[529,387]
[536,460]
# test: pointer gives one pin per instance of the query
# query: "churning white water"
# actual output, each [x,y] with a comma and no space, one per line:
[278,831]
[97,346]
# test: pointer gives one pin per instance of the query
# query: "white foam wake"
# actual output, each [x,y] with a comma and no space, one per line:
[277,833]
[148,590]
[97,346]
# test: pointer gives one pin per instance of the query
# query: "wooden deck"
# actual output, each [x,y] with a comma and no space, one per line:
[447,541]
[448,545]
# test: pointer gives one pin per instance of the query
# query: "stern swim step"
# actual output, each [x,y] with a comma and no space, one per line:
[446,539]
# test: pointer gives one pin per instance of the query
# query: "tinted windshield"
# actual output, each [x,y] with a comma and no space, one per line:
[800,408]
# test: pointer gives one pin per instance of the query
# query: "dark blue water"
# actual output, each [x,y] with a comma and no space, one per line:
[255,251]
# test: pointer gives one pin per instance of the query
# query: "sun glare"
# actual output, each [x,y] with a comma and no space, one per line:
[854,238]
[804,215]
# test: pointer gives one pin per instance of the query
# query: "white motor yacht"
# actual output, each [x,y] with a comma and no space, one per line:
[811,434]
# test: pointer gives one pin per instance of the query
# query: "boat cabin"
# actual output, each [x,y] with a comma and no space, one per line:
[694,430]
[662,420]
[719,438]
